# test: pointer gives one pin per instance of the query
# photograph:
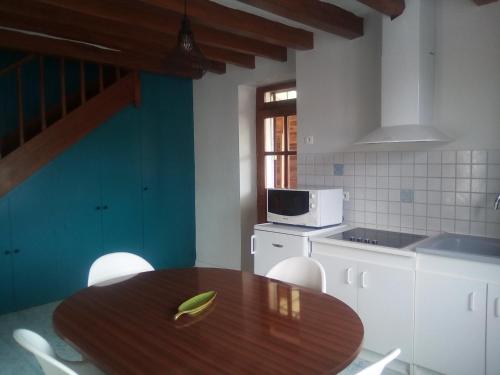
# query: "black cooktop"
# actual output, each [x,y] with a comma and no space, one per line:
[378,237]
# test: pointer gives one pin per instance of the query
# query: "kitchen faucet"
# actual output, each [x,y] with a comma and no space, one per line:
[497,202]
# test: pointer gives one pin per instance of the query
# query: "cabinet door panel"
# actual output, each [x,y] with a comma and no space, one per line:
[341,280]
[493,331]
[6,288]
[386,307]
[449,324]
[34,219]
[121,183]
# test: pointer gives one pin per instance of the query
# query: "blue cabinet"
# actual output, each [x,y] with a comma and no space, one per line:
[6,296]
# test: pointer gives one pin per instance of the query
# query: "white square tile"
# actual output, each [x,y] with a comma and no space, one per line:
[494,157]
[448,212]
[395,170]
[408,158]
[408,170]
[407,208]
[359,193]
[382,207]
[359,181]
[478,214]
[420,183]
[348,169]
[462,213]
[406,221]
[434,224]
[434,170]
[421,157]
[434,157]
[349,157]
[420,209]
[371,182]
[382,219]
[407,183]
[395,182]
[319,180]
[479,157]
[433,210]
[382,157]
[449,157]
[359,204]
[394,207]
[463,157]
[395,157]
[420,196]
[371,206]
[462,199]
[493,229]
[463,171]
[479,171]
[382,194]
[359,158]
[348,181]
[493,186]
[394,220]
[492,215]
[419,222]
[449,171]
[463,184]
[359,216]
[329,181]
[478,200]
[338,157]
[383,182]
[477,228]
[301,179]
[434,197]
[338,181]
[371,169]
[371,194]
[382,170]
[448,198]
[493,171]
[420,170]
[448,184]
[371,157]
[447,225]
[434,184]
[462,227]
[371,218]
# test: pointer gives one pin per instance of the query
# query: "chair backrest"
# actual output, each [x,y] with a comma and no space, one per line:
[303,271]
[378,367]
[42,351]
[116,265]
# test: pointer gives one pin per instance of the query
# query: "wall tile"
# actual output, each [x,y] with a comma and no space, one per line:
[434,210]
[479,171]
[406,221]
[394,195]
[479,157]
[493,171]
[407,196]
[395,170]
[382,157]
[382,170]
[462,227]
[463,157]
[407,183]
[407,208]
[420,196]
[394,182]
[383,182]
[382,194]
[478,214]
[434,170]
[371,206]
[419,222]
[382,207]
[394,220]
[349,157]
[448,184]
[434,197]
[420,209]
[448,197]
[434,157]
[371,218]
[478,200]
[433,224]
[420,183]
[463,171]
[462,199]
[371,194]
[434,184]
[360,181]
[420,170]
[408,158]
[448,212]
[395,157]
[447,225]
[463,184]
[449,170]
[359,158]
[421,157]
[449,157]
[462,213]
[394,207]
[371,182]
[494,157]
[371,169]
[477,228]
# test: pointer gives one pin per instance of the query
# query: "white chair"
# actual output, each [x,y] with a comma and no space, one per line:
[50,363]
[116,265]
[378,367]
[303,271]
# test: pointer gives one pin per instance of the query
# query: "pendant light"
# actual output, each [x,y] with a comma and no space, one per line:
[186,52]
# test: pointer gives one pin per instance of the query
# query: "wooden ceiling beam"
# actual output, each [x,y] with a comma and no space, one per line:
[132,14]
[148,43]
[391,8]
[314,13]
[484,2]
[227,19]
[42,45]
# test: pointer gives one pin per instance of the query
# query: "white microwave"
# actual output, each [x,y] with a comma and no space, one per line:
[307,207]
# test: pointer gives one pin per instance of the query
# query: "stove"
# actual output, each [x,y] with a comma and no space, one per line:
[378,237]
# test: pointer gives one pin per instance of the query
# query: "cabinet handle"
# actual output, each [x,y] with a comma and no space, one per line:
[497,307]
[348,273]
[363,280]
[16,251]
[472,301]
[6,252]
[104,207]
[98,208]
[145,188]
[277,245]
[252,244]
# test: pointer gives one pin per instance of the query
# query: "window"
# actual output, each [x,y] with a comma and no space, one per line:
[276,140]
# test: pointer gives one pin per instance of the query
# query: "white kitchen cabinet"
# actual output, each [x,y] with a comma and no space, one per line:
[341,278]
[493,331]
[450,324]
[271,248]
[386,307]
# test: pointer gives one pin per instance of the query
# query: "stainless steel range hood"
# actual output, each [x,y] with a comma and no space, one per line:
[408,78]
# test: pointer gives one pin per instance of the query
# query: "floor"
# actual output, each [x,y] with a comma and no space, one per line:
[16,361]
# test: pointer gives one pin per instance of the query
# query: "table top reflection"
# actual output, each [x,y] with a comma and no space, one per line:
[256,325]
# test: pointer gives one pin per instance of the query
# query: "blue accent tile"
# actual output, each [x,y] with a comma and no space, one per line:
[338,169]
[407,196]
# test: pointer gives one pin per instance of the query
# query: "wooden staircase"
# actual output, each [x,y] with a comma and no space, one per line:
[36,142]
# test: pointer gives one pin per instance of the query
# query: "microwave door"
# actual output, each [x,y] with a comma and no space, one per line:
[288,203]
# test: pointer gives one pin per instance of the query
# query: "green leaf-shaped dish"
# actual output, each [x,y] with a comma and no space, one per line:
[195,305]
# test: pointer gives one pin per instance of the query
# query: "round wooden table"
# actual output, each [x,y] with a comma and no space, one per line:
[256,325]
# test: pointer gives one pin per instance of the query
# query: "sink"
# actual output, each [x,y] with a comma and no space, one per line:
[461,246]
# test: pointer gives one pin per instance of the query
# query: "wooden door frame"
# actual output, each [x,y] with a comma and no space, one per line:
[265,110]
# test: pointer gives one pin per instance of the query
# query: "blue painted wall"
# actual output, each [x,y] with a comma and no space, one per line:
[129,185]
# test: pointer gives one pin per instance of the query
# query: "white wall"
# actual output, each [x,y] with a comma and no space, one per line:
[338,85]
[217,158]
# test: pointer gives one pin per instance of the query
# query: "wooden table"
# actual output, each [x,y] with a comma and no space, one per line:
[256,325]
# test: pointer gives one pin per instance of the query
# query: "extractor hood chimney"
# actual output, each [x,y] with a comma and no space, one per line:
[408,78]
